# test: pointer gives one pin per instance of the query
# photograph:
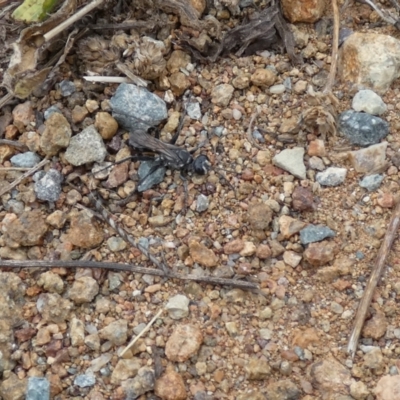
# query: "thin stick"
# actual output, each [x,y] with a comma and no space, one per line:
[5,99]
[148,326]
[8,169]
[373,280]
[127,267]
[249,130]
[107,79]
[64,25]
[335,47]
[15,144]
[22,177]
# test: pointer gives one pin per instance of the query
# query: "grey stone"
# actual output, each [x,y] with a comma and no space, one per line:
[315,233]
[143,382]
[67,88]
[86,147]
[38,389]
[369,102]
[149,180]
[178,307]
[51,110]
[85,380]
[202,203]
[332,176]
[135,107]
[193,110]
[362,129]
[277,89]
[48,186]
[371,182]
[291,160]
[25,160]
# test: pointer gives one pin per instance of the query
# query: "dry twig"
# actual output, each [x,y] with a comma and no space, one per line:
[147,327]
[22,177]
[335,47]
[130,268]
[373,280]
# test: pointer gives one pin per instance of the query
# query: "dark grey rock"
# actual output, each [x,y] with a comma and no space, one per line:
[315,233]
[149,180]
[136,108]
[67,88]
[361,128]
[48,186]
[38,389]
[85,380]
[51,110]
[25,160]
[202,203]
[86,147]
[371,182]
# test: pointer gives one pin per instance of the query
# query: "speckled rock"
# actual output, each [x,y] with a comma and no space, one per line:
[257,369]
[56,135]
[86,147]
[170,386]
[51,282]
[125,369]
[116,332]
[53,307]
[83,290]
[289,226]
[303,11]
[12,388]
[283,390]
[27,230]
[143,382]
[84,231]
[202,255]
[259,216]
[318,254]
[388,388]
[221,94]
[330,376]
[183,343]
[375,327]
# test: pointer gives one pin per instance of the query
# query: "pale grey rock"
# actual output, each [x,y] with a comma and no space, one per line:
[291,160]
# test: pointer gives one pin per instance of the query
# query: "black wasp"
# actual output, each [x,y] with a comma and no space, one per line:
[165,155]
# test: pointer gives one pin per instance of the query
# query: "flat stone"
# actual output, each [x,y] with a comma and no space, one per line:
[371,182]
[388,387]
[291,160]
[116,332]
[369,159]
[315,233]
[83,290]
[178,307]
[257,369]
[202,255]
[370,60]
[183,343]
[332,176]
[369,102]
[318,254]
[86,147]
[222,94]
[289,226]
[135,107]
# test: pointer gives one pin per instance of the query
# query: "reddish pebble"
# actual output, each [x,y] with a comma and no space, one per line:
[316,148]
[247,175]
[386,200]
[263,251]
[289,355]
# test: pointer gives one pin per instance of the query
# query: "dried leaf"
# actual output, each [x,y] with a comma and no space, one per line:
[24,74]
[260,33]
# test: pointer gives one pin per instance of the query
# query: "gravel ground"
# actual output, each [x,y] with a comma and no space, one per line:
[245,219]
